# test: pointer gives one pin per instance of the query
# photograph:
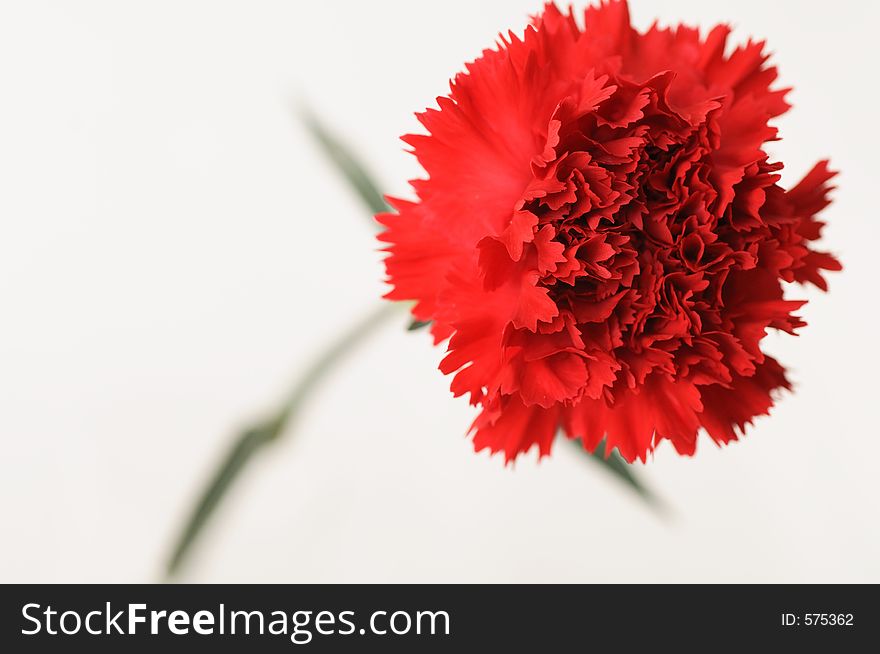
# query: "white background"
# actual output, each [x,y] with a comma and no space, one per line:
[174,249]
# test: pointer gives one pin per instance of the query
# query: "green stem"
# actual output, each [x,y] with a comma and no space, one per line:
[347,164]
[268,431]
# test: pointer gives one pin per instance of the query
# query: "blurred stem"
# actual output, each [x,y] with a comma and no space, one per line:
[253,439]
[346,164]
[618,467]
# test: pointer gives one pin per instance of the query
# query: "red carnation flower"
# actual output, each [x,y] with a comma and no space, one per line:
[603,239]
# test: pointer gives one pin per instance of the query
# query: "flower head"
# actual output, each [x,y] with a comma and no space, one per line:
[602,238]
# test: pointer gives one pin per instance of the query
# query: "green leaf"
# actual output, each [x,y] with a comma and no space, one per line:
[415,325]
[347,164]
[253,440]
[623,471]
